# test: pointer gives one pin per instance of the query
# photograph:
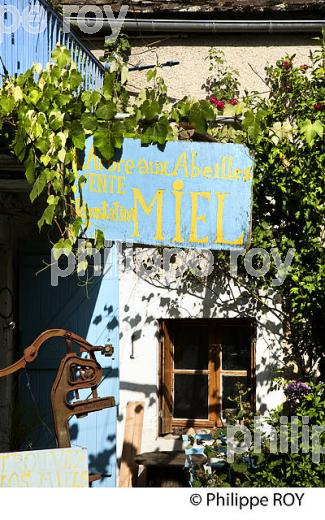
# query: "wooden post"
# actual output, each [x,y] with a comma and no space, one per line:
[131,443]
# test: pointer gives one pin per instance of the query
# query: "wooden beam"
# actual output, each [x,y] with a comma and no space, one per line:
[131,443]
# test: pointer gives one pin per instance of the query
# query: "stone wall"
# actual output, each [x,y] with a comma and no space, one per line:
[248,53]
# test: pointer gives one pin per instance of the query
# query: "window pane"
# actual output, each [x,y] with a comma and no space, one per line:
[190,396]
[191,348]
[236,343]
[229,389]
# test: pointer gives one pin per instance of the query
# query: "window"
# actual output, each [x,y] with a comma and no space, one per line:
[201,362]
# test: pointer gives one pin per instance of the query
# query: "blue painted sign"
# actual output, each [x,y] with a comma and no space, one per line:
[186,194]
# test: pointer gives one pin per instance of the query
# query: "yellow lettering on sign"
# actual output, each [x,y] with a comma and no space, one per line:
[46,478]
[93,182]
[178,194]
[102,188]
[181,163]
[195,169]
[84,478]
[112,178]
[195,217]
[25,477]
[237,173]
[247,174]
[119,164]
[129,166]
[158,198]
[230,166]
[121,185]
[216,170]
[207,172]
[223,167]
[220,238]
[143,167]
[154,168]
[163,168]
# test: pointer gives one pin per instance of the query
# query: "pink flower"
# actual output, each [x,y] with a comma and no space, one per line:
[233,101]
[287,64]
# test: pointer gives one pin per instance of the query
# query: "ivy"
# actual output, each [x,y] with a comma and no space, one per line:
[311,130]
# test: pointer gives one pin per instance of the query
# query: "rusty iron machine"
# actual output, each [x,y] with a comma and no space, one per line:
[74,373]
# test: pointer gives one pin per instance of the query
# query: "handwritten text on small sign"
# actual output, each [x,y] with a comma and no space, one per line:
[66,467]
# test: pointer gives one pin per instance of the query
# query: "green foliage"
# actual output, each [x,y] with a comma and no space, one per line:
[242,411]
[285,131]
[289,195]
[311,131]
[297,467]
[205,478]
[290,453]
[224,82]
[120,48]
[199,115]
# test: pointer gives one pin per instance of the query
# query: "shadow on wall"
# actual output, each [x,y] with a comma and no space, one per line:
[214,297]
[235,40]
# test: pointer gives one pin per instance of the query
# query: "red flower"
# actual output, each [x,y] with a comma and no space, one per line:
[233,101]
[287,64]
[219,104]
[319,106]
[213,100]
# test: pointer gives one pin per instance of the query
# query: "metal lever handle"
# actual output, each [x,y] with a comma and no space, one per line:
[107,351]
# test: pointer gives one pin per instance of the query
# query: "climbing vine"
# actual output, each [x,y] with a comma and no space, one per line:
[46,115]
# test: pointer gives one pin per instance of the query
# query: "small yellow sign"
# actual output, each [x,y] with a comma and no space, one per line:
[62,467]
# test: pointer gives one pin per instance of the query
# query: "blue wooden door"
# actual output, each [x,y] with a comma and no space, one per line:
[92,313]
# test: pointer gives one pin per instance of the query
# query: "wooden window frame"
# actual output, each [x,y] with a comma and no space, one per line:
[167,423]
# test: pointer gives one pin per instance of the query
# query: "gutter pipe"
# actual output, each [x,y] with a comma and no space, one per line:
[210,26]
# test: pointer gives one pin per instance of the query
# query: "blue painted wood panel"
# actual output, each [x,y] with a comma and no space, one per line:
[30,31]
[94,315]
